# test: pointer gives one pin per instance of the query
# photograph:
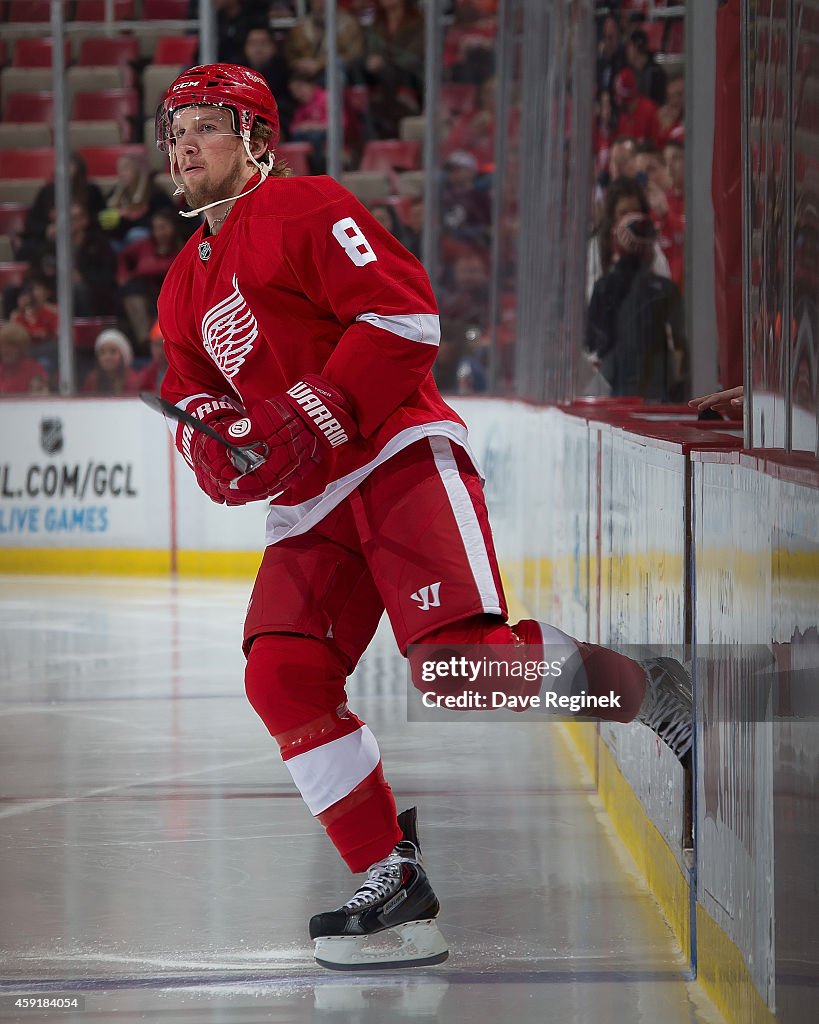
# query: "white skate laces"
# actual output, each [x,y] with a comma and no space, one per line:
[667,706]
[383,879]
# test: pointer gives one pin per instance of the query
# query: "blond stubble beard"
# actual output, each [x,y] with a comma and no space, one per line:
[198,196]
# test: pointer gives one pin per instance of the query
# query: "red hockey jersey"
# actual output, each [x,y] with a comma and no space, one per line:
[302,279]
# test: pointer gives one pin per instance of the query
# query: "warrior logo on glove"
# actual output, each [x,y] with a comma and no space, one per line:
[319,413]
[241,428]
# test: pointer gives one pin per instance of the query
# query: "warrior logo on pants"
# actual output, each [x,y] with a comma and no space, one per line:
[428,597]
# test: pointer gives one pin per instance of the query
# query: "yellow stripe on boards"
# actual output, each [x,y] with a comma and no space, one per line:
[724,976]
[85,561]
[128,562]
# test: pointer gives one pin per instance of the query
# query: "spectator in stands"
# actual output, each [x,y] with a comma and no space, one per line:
[466,209]
[19,373]
[469,45]
[394,64]
[260,52]
[112,374]
[474,130]
[388,218]
[621,158]
[233,19]
[310,117]
[635,330]
[142,269]
[94,272]
[637,115]
[674,154]
[151,377]
[610,54]
[672,114]
[132,202]
[307,47]
[624,196]
[36,311]
[467,297]
[650,76]
[652,173]
[460,366]
[414,228]
[603,132]
[41,214]
[620,165]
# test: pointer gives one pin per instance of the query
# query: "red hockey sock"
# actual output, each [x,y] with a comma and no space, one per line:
[296,686]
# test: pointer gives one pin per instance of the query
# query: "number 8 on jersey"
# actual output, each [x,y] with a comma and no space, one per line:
[352,240]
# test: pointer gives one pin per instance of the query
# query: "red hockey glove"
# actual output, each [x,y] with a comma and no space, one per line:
[205,452]
[300,429]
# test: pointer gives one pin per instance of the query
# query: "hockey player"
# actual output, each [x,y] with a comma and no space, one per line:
[294,322]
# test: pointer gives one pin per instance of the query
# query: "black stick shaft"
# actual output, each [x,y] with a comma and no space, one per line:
[244,459]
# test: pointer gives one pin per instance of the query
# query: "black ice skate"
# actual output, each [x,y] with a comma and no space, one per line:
[668,705]
[390,922]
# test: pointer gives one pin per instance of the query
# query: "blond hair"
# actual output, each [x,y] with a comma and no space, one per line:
[262,132]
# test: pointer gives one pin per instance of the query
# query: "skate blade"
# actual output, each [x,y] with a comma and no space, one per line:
[415,944]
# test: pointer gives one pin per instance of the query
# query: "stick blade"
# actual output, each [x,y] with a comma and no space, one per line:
[154,401]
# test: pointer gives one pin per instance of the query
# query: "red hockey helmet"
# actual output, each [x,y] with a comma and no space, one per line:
[242,91]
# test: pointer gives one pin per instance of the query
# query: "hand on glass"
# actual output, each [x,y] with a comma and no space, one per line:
[731,399]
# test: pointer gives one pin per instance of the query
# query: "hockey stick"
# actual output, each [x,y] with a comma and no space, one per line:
[244,459]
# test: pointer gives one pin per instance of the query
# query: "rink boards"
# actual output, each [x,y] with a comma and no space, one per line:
[616,530]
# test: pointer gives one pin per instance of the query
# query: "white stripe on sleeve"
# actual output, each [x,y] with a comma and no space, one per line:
[328,773]
[422,327]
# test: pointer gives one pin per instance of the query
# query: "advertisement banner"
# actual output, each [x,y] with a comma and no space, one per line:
[83,474]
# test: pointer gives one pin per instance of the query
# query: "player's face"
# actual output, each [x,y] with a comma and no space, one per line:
[210,155]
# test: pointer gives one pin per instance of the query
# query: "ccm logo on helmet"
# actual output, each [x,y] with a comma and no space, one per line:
[319,414]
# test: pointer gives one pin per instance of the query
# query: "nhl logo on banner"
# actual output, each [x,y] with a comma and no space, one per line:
[51,436]
[204,251]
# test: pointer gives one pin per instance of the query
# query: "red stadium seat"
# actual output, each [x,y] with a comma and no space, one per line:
[104,51]
[29,108]
[176,50]
[12,218]
[106,105]
[391,155]
[102,160]
[296,154]
[36,53]
[29,10]
[654,30]
[675,36]
[94,10]
[163,10]
[87,328]
[27,163]
[12,274]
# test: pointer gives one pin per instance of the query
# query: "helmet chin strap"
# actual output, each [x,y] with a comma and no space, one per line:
[264,169]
